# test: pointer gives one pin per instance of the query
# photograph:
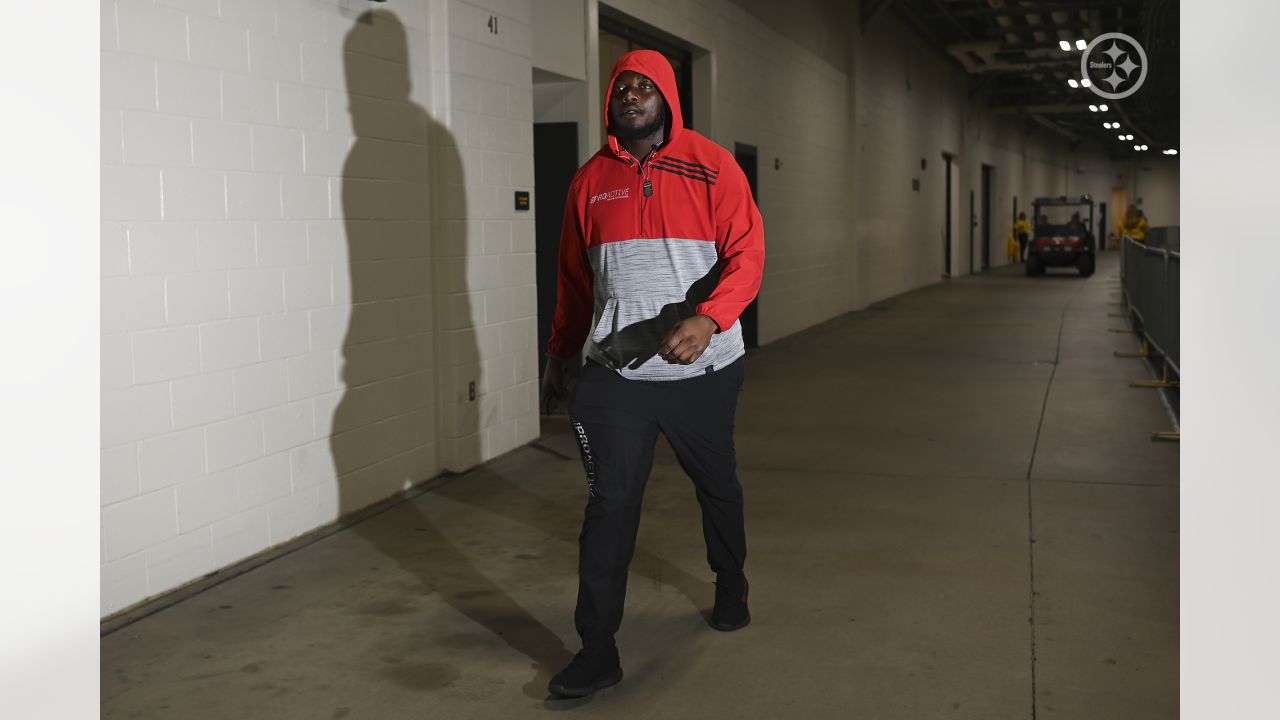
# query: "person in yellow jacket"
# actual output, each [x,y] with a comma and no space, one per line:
[1022,231]
[1011,250]
[1135,224]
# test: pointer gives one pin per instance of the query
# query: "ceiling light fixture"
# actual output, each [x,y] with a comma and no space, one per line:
[1122,137]
[1093,108]
[1085,82]
[1072,82]
[1137,147]
[1170,151]
[1066,46]
[1144,147]
[1080,44]
[1102,107]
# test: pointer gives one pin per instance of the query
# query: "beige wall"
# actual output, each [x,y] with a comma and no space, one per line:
[487,275]
[243,348]
[1155,181]
[559,34]
[310,252]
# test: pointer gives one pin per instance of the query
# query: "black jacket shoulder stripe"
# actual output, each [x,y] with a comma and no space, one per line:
[692,165]
[673,166]
[676,171]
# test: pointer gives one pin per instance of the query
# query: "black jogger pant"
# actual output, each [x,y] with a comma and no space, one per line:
[617,422]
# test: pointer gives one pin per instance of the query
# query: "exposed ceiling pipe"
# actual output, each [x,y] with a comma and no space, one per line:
[986,60]
[1054,126]
[1129,126]
[1060,109]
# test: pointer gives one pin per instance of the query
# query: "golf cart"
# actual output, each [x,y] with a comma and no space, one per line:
[1061,238]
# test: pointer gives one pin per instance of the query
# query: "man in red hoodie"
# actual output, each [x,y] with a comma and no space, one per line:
[662,248]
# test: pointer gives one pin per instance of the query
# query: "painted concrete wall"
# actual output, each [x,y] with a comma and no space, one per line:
[775,95]
[229,278]
[488,275]
[910,105]
[1155,181]
[559,37]
[310,251]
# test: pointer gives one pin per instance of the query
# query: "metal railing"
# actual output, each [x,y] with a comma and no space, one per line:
[1164,236]
[1150,276]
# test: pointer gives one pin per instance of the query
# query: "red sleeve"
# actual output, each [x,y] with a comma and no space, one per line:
[740,244]
[574,285]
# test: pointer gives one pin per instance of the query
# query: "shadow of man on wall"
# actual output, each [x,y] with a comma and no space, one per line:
[410,338]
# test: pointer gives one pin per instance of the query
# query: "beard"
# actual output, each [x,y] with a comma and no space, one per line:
[641,132]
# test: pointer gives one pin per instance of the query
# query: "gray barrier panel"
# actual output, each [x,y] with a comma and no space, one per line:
[1151,278]
[1172,302]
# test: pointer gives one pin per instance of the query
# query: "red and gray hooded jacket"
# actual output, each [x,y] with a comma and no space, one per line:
[633,266]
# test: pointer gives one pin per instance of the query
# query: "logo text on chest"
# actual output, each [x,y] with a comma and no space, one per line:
[618,194]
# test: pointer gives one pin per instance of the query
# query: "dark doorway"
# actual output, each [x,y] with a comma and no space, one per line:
[946,242]
[973,223]
[986,216]
[746,156]
[1102,226]
[555,160]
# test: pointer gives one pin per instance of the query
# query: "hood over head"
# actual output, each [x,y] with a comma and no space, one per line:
[655,66]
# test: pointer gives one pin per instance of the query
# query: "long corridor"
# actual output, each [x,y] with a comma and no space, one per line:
[954,510]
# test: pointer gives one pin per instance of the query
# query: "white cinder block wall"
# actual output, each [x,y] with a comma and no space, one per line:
[793,106]
[310,249]
[488,276]
[910,106]
[309,253]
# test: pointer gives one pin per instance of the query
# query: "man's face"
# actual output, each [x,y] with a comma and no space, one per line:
[636,106]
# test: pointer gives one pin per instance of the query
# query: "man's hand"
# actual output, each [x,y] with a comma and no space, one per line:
[553,385]
[687,340]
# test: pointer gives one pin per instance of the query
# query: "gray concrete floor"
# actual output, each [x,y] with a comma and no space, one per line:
[953,511]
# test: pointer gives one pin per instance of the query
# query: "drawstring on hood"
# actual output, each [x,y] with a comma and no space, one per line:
[657,68]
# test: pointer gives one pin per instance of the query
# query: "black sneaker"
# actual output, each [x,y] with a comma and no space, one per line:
[588,672]
[730,612]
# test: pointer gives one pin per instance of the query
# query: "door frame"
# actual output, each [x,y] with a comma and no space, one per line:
[547,218]
[948,165]
[973,223]
[988,187]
